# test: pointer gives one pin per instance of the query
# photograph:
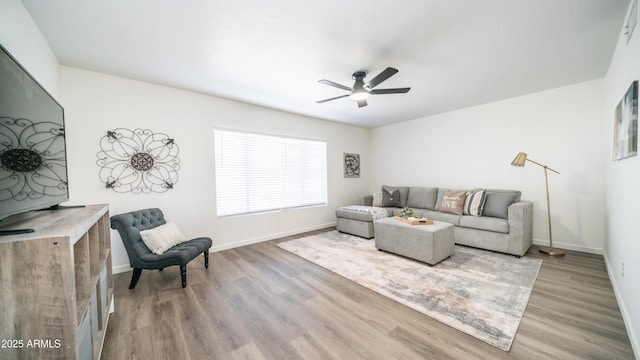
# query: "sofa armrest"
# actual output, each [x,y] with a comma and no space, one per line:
[520,220]
[366,200]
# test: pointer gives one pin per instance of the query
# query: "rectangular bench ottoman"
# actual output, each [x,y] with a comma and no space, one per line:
[427,243]
[358,219]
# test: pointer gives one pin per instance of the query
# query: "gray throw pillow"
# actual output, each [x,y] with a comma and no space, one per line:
[497,203]
[404,192]
[391,198]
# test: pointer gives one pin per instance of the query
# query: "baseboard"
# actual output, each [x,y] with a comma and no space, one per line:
[633,338]
[124,268]
[269,237]
[121,268]
[566,246]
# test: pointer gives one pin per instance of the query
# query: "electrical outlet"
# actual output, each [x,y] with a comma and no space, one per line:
[623,269]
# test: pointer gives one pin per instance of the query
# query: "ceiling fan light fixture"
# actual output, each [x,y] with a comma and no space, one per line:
[360,94]
[361,90]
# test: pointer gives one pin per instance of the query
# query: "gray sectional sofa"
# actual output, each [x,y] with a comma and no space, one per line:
[504,225]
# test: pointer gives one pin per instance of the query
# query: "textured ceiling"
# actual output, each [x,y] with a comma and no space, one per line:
[453,54]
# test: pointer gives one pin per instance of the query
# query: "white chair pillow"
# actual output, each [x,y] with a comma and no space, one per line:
[162,238]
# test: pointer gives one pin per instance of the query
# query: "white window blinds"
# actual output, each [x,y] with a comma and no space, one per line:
[256,173]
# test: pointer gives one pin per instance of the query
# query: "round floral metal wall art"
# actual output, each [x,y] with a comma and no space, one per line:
[32,159]
[138,161]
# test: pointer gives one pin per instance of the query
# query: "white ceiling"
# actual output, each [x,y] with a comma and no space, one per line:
[453,54]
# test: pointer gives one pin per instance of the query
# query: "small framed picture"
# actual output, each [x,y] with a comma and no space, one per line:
[351,165]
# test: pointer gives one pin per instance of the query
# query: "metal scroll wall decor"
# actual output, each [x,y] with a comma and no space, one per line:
[32,159]
[138,161]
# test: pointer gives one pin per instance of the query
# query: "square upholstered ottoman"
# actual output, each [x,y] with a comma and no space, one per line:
[358,219]
[427,243]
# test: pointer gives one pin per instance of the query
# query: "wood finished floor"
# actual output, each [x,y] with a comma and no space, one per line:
[261,302]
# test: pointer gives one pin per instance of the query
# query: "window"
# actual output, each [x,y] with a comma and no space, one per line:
[256,173]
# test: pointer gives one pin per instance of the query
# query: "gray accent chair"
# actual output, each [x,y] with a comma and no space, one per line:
[129,226]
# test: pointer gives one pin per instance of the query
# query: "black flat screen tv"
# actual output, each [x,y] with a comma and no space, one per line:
[33,159]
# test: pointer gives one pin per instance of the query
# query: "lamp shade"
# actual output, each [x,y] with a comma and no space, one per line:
[520,159]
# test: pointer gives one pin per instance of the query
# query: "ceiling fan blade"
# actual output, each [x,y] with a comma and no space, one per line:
[384,75]
[331,83]
[362,103]
[390,91]
[333,98]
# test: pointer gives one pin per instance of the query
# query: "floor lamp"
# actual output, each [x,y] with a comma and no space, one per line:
[519,161]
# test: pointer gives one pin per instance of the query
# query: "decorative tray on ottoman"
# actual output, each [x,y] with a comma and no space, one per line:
[414,220]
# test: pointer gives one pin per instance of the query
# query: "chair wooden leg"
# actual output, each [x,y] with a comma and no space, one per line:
[183,273]
[206,259]
[135,278]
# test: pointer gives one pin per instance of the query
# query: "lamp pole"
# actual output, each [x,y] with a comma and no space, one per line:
[548,250]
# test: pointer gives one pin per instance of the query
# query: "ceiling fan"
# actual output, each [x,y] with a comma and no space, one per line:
[361,90]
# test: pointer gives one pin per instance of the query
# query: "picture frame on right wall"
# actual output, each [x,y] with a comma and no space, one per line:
[632,19]
[625,126]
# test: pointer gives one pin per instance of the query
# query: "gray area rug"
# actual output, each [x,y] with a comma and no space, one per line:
[480,293]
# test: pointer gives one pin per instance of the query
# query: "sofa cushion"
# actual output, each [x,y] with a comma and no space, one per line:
[474,203]
[360,213]
[404,192]
[485,223]
[422,197]
[517,193]
[453,202]
[441,194]
[498,202]
[441,216]
[394,211]
[391,197]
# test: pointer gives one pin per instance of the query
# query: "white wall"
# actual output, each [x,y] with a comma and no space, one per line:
[474,147]
[20,35]
[95,103]
[622,233]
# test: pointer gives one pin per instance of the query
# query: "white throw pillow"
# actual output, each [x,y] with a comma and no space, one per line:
[377,199]
[162,238]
